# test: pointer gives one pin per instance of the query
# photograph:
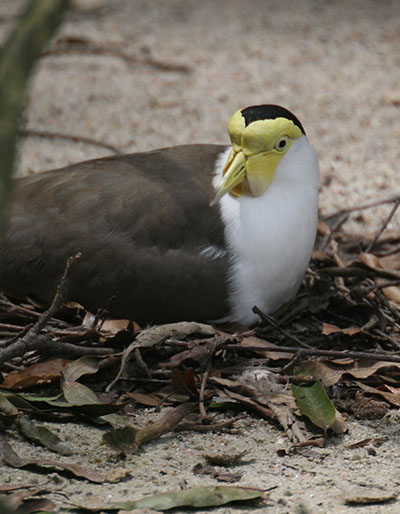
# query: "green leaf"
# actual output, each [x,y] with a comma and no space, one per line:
[6,406]
[314,403]
[40,434]
[86,402]
[195,497]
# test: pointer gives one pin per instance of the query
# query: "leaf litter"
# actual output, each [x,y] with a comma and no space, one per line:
[342,331]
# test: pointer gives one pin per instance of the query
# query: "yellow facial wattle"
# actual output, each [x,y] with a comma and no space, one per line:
[256,152]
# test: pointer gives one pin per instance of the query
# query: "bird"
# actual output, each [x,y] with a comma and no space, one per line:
[200,232]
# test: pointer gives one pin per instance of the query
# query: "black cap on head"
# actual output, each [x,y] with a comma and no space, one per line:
[268,112]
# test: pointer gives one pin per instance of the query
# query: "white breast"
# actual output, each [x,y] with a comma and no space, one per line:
[271,237]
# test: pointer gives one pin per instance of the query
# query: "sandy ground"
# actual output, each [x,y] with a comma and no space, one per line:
[336,65]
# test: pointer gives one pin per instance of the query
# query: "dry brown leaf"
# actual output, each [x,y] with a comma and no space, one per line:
[114,326]
[371,260]
[150,400]
[197,351]
[394,399]
[393,292]
[328,328]
[86,365]
[166,423]
[44,372]
[9,456]
[256,341]
[330,374]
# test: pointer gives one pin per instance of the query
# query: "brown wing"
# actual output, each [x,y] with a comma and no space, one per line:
[140,222]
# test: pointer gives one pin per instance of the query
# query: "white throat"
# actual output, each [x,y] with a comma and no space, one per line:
[270,238]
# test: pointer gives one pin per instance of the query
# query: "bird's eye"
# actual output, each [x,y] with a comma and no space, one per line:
[282,144]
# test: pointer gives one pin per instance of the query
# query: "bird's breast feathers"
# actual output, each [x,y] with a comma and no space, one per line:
[270,237]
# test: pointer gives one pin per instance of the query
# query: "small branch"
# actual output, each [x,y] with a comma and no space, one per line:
[384,225]
[69,137]
[359,272]
[90,49]
[382,285]
[349,210]
[204,378]
[271,321]
[342,219]
[30,340]
[315,352]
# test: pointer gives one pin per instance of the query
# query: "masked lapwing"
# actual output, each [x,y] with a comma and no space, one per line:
[192,232]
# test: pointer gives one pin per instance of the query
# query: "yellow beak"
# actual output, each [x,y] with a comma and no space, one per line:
[233,174]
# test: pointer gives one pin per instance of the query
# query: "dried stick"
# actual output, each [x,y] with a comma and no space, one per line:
[315,352]
[130,59]
[69,137]
[29,340]
[384,226]
[204,379]
[335,228]
[352,271]
[271,321]
[361,207]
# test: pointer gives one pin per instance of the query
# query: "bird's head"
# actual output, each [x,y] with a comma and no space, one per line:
[261,136]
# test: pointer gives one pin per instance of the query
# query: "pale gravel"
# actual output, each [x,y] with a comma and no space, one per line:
[336,65]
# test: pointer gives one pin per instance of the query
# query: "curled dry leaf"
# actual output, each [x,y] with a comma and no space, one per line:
[330,373]
[328,328]
[393,292]
[41,373]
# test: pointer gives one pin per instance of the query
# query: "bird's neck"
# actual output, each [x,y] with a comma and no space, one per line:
[270,238]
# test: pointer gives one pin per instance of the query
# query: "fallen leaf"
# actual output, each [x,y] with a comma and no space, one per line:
[85,401]
[86,365]
[195,497]
[392,398]
[328,328]
[331,373]
[40,434]
[314,403]
[167,422]
[10,457]
[256,341]
[150,400]
[41,373]
[184,384]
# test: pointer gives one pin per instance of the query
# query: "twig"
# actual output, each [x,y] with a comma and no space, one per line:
[361,207]
[384,225]
[69,137]
[204,378]
[395,313]
[270,320]
[130,59]
[209,427]
[382,285]
[315,352]
[334,229]
[30,340]
[352,271]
